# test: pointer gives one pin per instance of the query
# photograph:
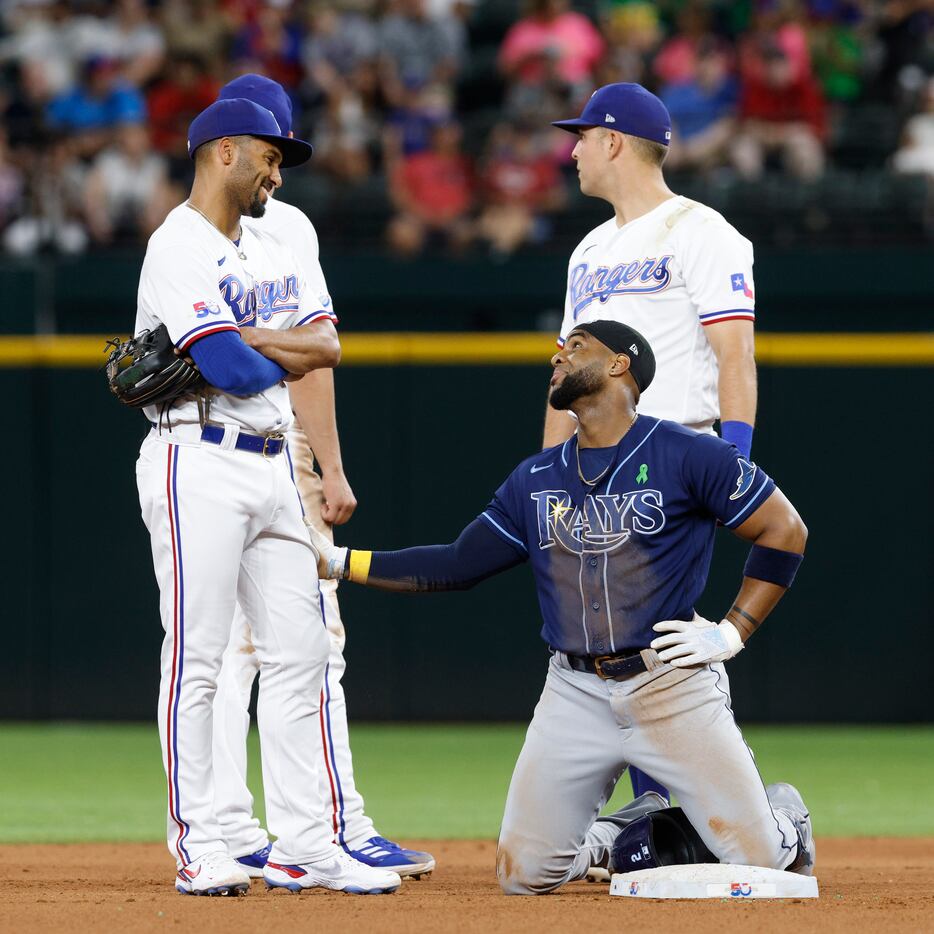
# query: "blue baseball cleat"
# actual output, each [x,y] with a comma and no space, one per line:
[253,863]
[385,854]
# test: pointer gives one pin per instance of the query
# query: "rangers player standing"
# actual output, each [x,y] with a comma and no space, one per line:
[671,268]
[221,508]
[327,500]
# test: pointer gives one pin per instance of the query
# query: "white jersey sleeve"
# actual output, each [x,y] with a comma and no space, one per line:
[178,288]
[716,263]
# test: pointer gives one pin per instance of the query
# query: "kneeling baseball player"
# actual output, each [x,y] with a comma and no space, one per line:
[618,523]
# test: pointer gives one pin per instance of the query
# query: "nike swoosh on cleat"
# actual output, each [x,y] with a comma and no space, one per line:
[537,469]
[294,871]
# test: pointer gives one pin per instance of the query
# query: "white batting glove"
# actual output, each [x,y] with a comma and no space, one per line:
[696,642]
[331,559]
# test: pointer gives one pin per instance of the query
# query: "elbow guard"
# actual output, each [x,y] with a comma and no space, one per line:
[772,565]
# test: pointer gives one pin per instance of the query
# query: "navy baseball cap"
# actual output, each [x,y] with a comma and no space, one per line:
[263,91]
[620,338]
[626,107]
[240,117]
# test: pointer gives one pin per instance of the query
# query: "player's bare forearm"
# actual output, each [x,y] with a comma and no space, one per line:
[298,350]
[314,405]
[733,342]
[776,526]
[559,426]
[755,600]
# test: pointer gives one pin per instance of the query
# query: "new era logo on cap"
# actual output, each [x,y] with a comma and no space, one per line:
[634,349]
[610,118]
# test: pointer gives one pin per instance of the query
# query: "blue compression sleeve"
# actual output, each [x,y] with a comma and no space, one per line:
[477,554]
[231,366]
[739,434]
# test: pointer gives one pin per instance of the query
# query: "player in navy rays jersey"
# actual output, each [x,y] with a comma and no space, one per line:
[618,524]
[613,558]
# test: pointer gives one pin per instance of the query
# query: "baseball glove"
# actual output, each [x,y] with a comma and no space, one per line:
[145,370]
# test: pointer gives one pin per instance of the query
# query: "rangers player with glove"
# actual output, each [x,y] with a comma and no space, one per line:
[221,508]
[326,500]
[618,524]
[671,268]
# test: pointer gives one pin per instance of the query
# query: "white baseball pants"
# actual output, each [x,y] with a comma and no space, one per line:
[342,804]
[676,725]
[226,527]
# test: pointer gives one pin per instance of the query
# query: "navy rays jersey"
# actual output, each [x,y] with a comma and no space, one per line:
[612,559]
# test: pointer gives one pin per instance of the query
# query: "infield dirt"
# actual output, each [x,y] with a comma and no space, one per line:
[866,884]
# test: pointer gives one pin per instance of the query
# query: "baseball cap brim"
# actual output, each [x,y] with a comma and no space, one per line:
[294,151]
[572,126]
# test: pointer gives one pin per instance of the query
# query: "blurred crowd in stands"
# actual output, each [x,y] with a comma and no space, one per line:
[439,110]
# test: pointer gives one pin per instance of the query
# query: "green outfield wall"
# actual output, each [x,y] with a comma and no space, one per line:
[424,447]
[857,289]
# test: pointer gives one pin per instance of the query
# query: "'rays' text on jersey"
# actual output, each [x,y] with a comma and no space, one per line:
[267,298]
[606,521]
[641,276]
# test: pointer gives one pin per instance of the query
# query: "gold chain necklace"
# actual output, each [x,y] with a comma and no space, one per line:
[240,252]
[603,473]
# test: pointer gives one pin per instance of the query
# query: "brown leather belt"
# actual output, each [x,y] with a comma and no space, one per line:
[617,667]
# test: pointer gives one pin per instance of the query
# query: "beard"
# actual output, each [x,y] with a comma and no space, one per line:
[575,385]
[256,207]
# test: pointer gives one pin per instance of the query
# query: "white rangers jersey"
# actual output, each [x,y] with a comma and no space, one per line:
[669,274]
[196,283]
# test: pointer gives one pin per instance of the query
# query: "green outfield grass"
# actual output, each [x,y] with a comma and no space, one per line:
[88,782]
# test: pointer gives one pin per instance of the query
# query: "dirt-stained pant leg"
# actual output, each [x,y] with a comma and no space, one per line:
[686,736]
[675,724]
[568,767]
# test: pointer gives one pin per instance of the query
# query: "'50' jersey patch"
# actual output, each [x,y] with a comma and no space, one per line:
[203,309]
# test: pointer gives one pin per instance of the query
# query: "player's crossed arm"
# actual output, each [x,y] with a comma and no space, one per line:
[298,350]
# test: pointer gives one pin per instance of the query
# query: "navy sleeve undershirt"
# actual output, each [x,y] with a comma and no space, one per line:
[477,554]
[228,364]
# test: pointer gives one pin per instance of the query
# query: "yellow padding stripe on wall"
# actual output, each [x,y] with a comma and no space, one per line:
[507,348]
